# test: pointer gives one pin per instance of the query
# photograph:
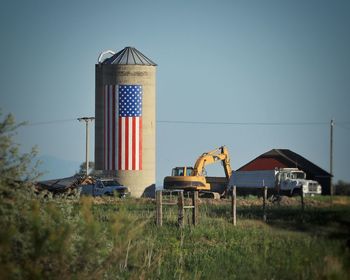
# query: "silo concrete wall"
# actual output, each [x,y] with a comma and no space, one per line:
[138,181]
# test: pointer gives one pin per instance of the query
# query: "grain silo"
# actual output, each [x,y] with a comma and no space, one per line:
[125,112]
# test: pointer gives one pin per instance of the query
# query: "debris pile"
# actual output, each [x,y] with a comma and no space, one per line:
[64,185]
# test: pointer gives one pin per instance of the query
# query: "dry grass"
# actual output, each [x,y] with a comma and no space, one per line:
[109,238]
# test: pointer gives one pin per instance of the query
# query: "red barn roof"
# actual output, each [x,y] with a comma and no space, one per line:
[263,164]
[279,158]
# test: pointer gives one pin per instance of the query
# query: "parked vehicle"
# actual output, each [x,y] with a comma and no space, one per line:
[284,181]
[104,187]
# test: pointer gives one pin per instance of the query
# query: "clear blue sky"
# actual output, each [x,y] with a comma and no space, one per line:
[219,61]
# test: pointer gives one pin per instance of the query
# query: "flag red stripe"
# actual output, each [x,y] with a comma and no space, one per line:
[113,128]
[140,143]
[126,143]
[120,144]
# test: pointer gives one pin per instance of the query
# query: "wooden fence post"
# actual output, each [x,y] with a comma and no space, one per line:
[195,208]
[302,200]
[234,205]
[264,203]
[159,208]
[181,202]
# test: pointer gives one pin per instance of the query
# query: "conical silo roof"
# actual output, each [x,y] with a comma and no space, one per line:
[129,56]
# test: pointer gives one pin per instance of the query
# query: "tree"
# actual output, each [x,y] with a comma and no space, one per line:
[82,168]
[14,166]
[342,188]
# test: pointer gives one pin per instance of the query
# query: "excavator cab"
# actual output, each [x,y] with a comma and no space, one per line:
[182,171]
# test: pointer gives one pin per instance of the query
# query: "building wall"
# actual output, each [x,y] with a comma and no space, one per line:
[111,74]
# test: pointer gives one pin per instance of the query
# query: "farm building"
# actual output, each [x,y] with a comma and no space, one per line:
[284,158]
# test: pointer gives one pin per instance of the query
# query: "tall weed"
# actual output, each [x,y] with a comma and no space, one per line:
[46,238]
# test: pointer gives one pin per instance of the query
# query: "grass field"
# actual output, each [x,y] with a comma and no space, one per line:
[109,238]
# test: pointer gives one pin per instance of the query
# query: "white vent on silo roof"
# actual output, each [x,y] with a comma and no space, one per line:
[102,54]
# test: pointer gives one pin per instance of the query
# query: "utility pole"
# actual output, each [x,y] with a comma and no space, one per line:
[331,156]
[87,120]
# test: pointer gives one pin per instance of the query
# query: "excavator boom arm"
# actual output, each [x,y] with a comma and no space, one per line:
[220,153]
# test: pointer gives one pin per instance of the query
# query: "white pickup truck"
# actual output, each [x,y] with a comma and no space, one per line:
[287,181]
[104,187]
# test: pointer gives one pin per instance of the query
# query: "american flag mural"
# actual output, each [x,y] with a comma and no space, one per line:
[123,127]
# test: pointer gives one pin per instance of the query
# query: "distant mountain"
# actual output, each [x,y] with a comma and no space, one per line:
[54,168]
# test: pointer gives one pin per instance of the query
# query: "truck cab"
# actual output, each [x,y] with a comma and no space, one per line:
[292,181]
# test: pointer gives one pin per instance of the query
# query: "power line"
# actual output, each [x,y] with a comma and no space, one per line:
[344,126]
[49,122]
[243,123]
[340,123]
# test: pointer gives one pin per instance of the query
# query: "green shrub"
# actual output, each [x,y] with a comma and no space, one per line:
[57,239]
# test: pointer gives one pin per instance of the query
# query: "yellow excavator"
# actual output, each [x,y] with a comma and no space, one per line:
[193,178]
